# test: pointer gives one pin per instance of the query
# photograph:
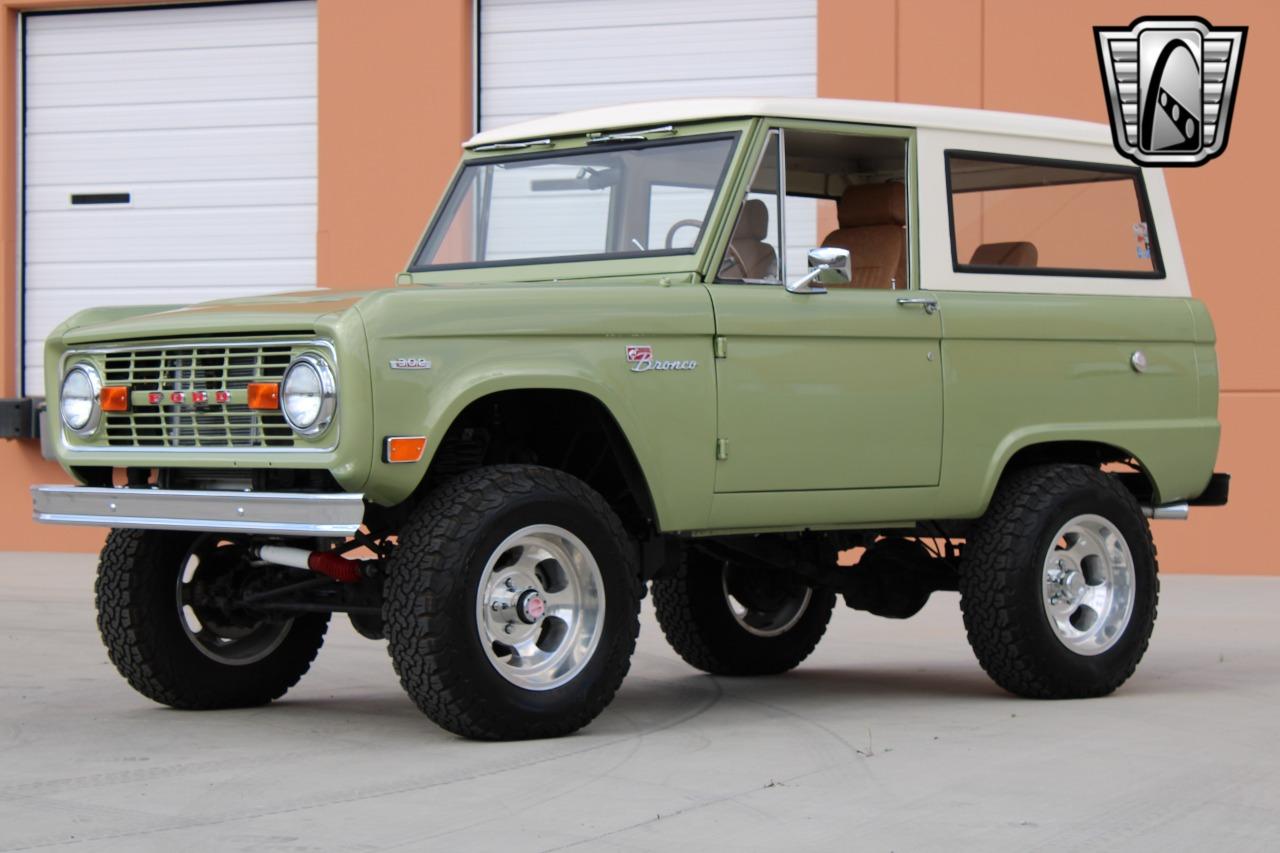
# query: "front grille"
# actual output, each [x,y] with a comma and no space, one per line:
[186,369]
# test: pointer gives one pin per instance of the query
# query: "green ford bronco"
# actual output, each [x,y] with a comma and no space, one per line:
[756,354]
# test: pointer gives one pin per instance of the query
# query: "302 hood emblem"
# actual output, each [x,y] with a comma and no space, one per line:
[640,357]
[410,364]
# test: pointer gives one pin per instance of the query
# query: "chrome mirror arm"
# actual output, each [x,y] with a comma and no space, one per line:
[804,283]
[827,265]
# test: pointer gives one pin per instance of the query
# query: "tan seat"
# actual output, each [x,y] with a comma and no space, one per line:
[873,228]
[1013,254]
[759,260]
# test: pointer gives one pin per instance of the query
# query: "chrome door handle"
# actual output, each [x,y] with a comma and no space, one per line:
[930,304]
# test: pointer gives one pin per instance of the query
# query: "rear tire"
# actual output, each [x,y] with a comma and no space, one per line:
[512,603]
[170,656]
[1059,584]
[729,620]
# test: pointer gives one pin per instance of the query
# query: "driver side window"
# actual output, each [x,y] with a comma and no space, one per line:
[841,190]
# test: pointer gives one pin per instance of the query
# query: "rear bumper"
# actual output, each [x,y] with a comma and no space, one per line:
[270,513]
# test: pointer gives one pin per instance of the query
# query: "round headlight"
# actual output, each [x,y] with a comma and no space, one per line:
[308,395]
[78,400]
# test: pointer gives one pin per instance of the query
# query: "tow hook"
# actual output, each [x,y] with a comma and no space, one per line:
[341,569]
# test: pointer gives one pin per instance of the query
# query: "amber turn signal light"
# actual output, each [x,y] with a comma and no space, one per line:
[114,398]
[264,395]
[404,448]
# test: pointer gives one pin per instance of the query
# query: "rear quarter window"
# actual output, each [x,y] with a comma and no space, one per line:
[1031,216]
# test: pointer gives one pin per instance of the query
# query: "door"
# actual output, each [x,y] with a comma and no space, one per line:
[169,157]
[835,390]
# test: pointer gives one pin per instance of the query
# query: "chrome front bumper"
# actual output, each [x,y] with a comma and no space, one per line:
[273,513]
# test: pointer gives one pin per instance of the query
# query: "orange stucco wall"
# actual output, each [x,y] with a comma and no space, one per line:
[395,101]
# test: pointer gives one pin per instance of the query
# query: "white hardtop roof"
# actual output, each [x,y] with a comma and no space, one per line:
[656,113]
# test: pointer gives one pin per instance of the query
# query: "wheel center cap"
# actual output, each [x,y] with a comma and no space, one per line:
[531,607]
[1065,584]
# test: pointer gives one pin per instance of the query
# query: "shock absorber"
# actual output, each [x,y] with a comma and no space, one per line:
[341,569]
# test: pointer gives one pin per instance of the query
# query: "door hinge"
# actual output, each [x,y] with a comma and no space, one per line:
[721,345]
[722,449]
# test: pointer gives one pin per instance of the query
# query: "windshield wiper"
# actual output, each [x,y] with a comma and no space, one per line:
[629,135]
[508,146]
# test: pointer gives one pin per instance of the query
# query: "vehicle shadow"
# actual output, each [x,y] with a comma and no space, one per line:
[651,702]
[670,695]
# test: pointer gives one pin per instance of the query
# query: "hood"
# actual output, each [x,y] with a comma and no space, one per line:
[275,313]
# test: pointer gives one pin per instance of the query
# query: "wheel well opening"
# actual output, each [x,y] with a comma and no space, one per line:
[1118,462]
[567,430]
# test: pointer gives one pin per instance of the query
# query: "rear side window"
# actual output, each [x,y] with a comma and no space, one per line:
[1029,216]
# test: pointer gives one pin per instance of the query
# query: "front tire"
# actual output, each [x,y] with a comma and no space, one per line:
[728,619]
[1059,584]
[173,644]
[511,606]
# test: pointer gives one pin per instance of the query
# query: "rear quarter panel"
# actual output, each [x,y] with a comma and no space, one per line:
[1023,369]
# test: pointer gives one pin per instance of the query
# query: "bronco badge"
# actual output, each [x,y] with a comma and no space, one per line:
[642,361]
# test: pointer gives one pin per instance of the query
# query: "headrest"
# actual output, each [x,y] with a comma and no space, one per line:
[1012,254]
[753,222]
[873,204]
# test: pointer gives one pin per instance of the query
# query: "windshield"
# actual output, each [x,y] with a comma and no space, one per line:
[592,203]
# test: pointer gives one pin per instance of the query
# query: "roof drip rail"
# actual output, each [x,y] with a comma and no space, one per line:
[629,135]
[508,146]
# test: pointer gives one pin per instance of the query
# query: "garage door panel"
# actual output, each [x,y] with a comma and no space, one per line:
[534,16]
[72,69]
[170,116]
[174,155]
[206,117]
[82,280]
[181,194]
[140,235]
[593,55]
[170,29]
[539,57]
[172,90]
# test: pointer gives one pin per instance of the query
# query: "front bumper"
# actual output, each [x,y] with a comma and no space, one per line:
[268,513]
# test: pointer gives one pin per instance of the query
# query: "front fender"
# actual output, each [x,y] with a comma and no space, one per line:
[668,417]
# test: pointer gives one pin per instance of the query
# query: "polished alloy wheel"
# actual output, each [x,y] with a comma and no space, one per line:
[1088,584]
[764,604]
[540,607]
[221,635]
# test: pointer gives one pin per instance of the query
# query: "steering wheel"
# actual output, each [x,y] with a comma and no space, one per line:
[682,223]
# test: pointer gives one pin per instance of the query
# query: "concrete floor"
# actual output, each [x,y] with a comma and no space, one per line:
[888,739]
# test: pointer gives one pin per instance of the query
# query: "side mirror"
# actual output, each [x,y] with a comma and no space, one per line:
[827,265]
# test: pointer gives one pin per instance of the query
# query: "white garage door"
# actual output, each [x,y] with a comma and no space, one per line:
[539,57]
[169,156]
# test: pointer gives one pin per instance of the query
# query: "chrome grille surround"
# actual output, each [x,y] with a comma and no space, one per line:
[187,366]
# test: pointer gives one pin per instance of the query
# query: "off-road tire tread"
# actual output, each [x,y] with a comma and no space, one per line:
[682,615]
[426,572]
[154,666]
[988,574]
